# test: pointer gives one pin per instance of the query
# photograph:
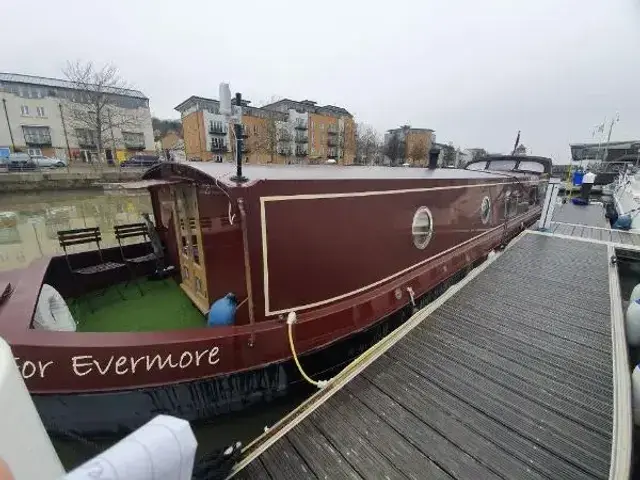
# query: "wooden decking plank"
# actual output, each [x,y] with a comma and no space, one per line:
[282,461]
[322,458]
[398,450]
[356,448]
[544,343]
[426,400]
[254,471]
[548,375]
[457,450]
[598,359]
[561,407]
[543,361]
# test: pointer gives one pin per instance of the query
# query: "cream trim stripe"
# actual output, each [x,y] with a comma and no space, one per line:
[314,196]
[265,255]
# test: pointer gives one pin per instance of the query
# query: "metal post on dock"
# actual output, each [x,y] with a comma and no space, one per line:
[550,200]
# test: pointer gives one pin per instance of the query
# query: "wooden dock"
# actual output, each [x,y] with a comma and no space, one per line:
[491,380]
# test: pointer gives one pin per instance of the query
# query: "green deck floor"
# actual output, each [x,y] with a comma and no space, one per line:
[164,306]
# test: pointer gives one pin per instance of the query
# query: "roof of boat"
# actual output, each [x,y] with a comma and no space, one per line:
[222,172]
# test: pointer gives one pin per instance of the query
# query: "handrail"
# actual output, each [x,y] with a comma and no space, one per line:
[621,436]
[247,267]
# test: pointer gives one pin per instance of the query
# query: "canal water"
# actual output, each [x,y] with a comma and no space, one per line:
[28,226]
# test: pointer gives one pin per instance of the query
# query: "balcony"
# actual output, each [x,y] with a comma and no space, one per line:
[217,129]
[302,138]
[332,130]
[87,143]
[332,153]
[134,144]
[301,152]
[218,147]
[300,125]
[40,139]
[332,142]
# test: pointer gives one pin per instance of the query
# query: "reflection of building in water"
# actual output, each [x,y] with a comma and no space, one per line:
[56,219]
[9,228]
[29,230]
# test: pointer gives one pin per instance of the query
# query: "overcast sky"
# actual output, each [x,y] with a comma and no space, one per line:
[476,71]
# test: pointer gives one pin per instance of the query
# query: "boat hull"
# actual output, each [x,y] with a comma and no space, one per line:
[120,411]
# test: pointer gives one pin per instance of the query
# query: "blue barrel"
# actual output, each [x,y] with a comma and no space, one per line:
[577,177]
[223,311]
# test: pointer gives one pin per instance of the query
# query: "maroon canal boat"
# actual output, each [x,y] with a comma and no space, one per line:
[351,250]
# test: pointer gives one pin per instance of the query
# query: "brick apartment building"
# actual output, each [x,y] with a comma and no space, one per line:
[409,145]
[285,131]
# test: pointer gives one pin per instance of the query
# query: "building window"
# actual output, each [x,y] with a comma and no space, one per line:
[24,109]
[422,228]
[34,152]
[36,135]
[40,111]
[133,140]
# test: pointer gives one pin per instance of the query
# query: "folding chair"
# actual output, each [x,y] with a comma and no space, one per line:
[132,230]
[81,236]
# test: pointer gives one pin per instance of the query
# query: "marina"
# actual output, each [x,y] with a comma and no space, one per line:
[489,381]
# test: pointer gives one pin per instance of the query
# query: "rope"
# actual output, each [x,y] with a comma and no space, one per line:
[291,319]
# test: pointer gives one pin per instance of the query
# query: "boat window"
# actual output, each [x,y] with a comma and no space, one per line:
[485,209]
[529,166]
[507,203]
[422,228]
[477,166]
[502,165]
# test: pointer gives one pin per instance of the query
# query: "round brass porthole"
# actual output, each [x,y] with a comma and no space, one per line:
[485,210]
[422,228]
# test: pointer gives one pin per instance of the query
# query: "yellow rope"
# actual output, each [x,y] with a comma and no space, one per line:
[291,319]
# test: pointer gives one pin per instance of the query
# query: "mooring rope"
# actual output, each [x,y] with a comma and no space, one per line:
[291,319]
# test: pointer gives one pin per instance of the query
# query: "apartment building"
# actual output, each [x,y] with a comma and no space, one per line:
[285,131]
[409,145]
[39,117]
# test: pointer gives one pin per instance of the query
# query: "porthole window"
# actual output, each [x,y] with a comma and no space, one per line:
[422,228]
[485,210]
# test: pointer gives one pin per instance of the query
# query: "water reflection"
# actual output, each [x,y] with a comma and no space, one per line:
[29,222]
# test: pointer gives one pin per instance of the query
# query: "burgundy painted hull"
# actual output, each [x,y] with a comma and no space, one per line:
[343,260]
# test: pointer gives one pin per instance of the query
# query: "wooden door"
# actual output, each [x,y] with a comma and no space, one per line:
[190,250]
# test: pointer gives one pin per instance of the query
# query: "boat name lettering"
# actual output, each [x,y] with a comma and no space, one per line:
[122,365]
[82,365]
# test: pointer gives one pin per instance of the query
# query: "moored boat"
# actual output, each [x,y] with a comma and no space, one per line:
[351,250]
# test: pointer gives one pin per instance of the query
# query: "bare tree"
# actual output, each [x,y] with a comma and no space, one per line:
[449,155]
[394,149]
[95,108]
[264,140]
[368,145]
[418,150]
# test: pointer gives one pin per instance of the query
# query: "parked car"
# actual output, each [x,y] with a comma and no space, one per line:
[18,162]
[48,162]
[144,161]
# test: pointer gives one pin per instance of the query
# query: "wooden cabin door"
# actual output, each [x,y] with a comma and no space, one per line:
[191,251]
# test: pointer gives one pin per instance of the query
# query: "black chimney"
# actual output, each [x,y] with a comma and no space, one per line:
[434,153]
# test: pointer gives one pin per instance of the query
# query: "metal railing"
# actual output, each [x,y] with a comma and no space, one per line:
[37,138]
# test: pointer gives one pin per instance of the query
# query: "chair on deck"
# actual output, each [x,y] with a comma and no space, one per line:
[132,230]
[83,236]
